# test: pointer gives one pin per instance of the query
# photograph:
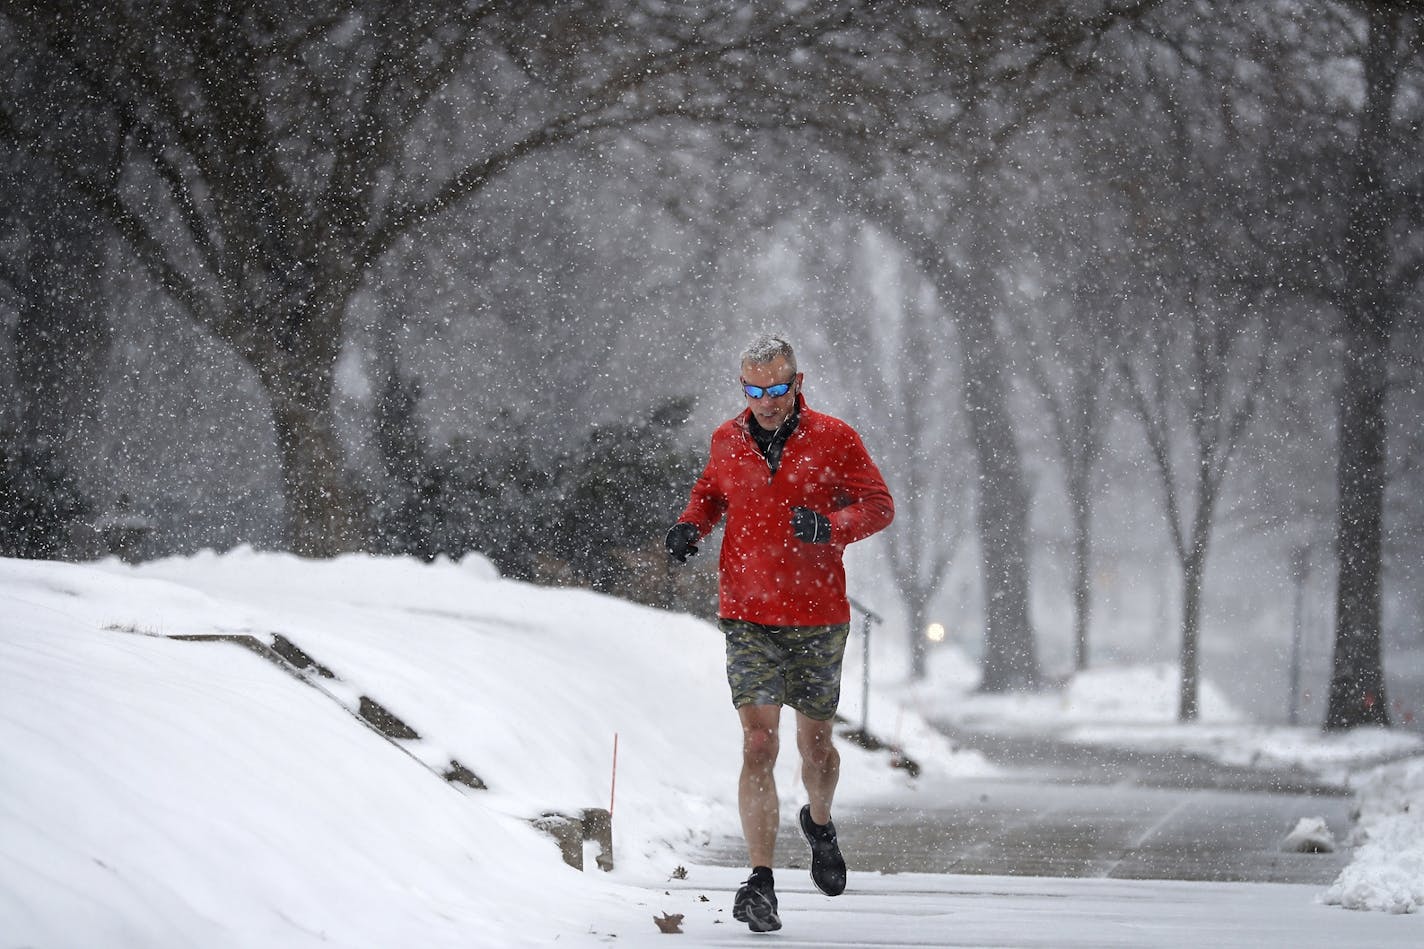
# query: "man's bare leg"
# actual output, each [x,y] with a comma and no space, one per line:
[756,791]
[820,765]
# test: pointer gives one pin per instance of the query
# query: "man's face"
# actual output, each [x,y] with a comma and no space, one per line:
[771,411]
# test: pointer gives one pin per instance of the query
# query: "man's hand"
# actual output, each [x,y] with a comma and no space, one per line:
[809,526]
[682,541]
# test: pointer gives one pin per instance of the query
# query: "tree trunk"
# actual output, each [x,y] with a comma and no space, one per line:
[1193,580]
[1010,660]
[919,603]
[60,342]
[323,517]
[1357,694]
[1082,573]
[1187,705]
[62,335]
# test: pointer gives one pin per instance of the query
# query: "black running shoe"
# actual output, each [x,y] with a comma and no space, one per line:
[755,905]
[828,869]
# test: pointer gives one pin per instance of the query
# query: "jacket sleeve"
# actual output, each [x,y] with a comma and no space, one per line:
[863,505]
[708,502]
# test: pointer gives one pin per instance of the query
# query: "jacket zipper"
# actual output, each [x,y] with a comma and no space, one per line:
[756,450]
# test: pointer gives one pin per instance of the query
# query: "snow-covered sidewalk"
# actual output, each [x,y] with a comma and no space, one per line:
[904,910]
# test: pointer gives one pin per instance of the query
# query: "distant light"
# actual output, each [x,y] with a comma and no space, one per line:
[935,632]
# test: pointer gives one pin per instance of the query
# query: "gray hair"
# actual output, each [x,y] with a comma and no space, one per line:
[766,348]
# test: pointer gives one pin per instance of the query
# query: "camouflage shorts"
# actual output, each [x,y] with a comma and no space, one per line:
[799,666]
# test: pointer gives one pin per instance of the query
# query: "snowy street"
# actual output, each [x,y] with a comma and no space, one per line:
[1027,828]
[1064,810]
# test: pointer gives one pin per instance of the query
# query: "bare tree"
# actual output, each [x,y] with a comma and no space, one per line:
[52,262]
[1345,231]
[933,487]
[1068,367]
[268,158]
[1378,274]
[1203,352]
[1187,381]
[1066,293]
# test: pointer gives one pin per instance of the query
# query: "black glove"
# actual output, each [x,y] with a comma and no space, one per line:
[682,541]
[809,526]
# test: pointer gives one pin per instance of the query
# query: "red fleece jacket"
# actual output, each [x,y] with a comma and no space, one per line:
[767,575]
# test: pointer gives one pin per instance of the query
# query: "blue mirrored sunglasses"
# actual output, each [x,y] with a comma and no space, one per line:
[775,392]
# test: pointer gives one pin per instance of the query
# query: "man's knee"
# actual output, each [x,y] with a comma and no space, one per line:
[820,755]
[815,742]
[825,757]
[760,746]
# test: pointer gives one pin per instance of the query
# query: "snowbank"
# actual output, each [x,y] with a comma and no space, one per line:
[1108,695]
[166,793]
[1387,871]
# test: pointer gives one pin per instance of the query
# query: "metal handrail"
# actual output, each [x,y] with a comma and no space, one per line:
[871,617]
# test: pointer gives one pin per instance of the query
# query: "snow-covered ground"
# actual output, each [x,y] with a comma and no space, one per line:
[1136,707]
[162,792]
